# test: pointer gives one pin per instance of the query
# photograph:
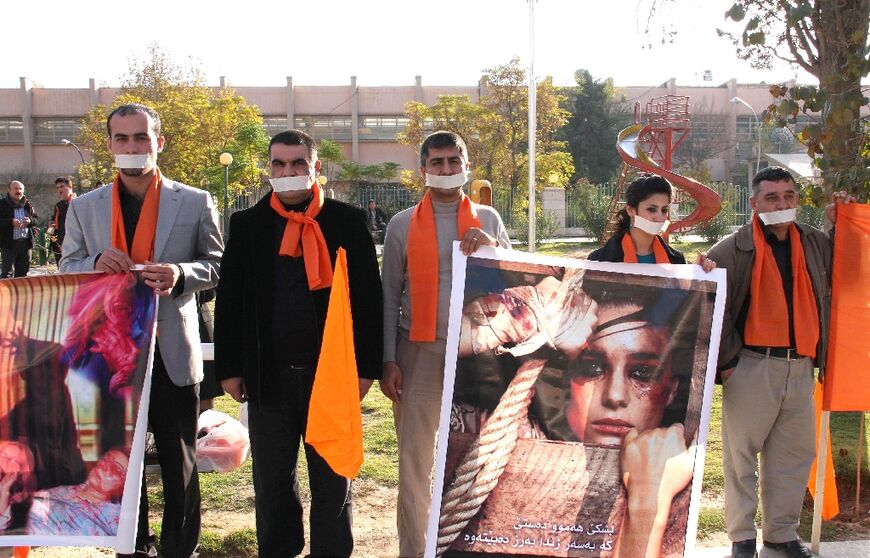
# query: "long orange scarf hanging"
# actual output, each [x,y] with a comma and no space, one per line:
[303,237]
[146,228]
[767,322]
[422,254]
[629,252]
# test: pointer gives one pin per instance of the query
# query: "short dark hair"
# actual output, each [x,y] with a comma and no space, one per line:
[439,139]
[295,137]
[135,108]
[771,174]
[640,189]
[63,180]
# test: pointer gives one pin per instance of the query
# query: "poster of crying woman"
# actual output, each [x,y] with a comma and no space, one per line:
[74,352]
[576,406]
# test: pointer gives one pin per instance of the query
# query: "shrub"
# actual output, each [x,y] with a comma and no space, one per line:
[546,224]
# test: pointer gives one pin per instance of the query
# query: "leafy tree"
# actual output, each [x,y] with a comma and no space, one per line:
[331,154]
[356,172]
[596,119]
[828,39]
[198,122]
[591,206]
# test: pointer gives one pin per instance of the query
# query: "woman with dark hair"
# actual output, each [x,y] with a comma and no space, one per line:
[642,221]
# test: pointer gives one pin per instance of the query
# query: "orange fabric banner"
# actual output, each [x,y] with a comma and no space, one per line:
[20,551]
[830,501]
[334,415]
[846,385]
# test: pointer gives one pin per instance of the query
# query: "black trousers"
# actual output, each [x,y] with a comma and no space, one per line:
[275,435]
[173,415]
[17,257]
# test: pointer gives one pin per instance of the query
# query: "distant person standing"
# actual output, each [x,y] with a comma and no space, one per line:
[376,219]
[57,225]
[17,227]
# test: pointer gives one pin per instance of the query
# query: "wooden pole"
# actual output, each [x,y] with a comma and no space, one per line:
[858,473]
[821,461]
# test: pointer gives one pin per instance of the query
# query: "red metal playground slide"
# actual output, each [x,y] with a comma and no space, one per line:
[630,149]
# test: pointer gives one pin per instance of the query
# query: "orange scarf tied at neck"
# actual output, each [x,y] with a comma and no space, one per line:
[422,254]
[629,252]
[303,237]
[767,323]
[146,227]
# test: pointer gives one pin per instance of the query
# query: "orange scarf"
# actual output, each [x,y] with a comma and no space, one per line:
[303,237]
[146,227]
[629,253]
[422,254]
[767,322]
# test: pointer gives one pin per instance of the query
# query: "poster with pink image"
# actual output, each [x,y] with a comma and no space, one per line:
[75,356]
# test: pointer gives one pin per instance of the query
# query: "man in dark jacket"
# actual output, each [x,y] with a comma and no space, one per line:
[17,227]
[774,333]
[269,318]
[57,225]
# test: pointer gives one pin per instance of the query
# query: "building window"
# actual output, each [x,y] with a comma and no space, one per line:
[52,130]
[327,126]
[11,130]
[381,128]
[274,124]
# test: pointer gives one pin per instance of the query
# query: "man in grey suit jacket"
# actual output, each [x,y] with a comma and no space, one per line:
[185,258]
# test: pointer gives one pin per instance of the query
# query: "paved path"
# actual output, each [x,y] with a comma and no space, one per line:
[842,549]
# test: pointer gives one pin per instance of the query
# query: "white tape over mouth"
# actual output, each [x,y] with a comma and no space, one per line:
[650,227]
[447,182]
[291,183]
[131,161]
[778,217]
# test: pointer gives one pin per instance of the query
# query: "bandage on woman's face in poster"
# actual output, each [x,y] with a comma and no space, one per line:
[573,395]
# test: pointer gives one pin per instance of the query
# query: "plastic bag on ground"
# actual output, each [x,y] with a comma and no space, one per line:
[222,442]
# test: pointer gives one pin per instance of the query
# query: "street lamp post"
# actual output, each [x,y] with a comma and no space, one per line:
[226,159]
[738,100]
[82,157]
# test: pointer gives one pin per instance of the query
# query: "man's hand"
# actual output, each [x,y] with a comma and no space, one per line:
[113,260]
[364,385]
[837,198]
[160,276]
[391,382]
[475,238]
[236,388]
[706,263]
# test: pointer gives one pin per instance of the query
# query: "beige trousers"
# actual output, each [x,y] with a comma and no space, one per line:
[767,409]
[416,418]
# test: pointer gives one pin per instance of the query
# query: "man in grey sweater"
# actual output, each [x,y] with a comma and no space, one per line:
[417,269]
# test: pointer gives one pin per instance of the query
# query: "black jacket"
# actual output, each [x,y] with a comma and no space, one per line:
[243,311]
[612,251]
[7,213]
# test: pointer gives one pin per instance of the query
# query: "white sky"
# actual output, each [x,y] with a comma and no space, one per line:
[382,42]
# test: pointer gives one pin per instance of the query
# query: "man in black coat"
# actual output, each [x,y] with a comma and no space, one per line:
[17,228]
[269,317]
[57,225]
